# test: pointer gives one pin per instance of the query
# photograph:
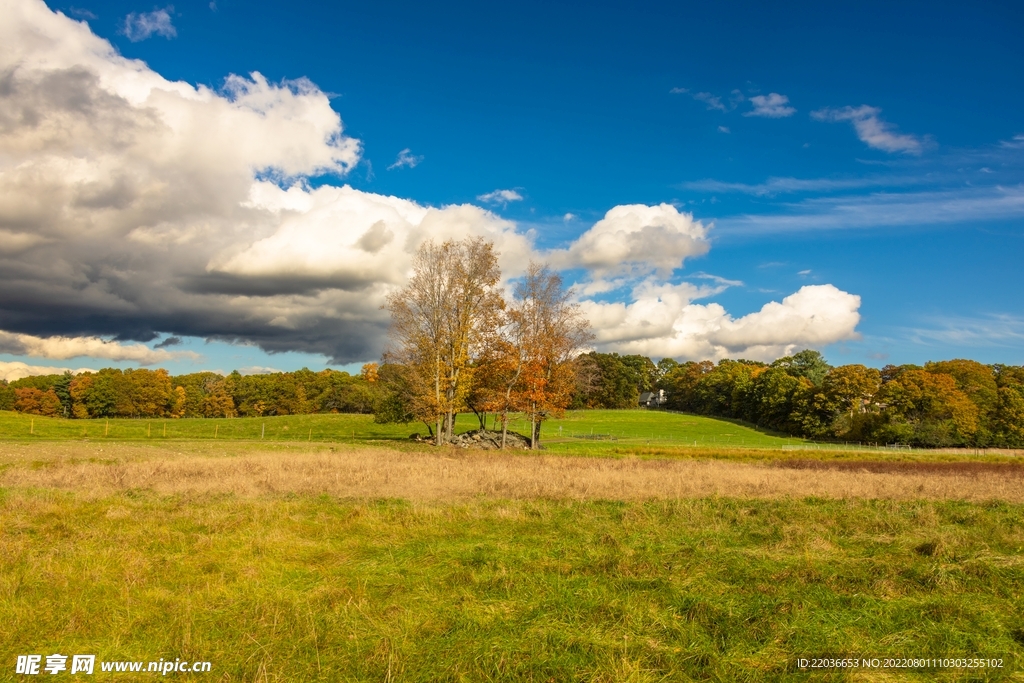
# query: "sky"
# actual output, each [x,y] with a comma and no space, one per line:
[225,185]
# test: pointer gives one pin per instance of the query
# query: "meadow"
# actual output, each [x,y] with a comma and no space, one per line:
[373,558]
[575,427]
[603,433]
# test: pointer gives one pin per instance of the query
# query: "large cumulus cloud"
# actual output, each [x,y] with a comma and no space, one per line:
[662,320]
[634,240]
[133,206]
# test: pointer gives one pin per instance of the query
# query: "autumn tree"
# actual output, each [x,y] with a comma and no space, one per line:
[1009,418]
[499,371]
[437,321]
[927,408]
[178,402]
[36,402]
[852,387]
[553,332]
[370,371]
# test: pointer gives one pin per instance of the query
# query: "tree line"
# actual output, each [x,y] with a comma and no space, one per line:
[946,403]
[155,393]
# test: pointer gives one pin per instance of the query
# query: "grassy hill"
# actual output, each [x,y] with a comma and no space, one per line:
[589,430]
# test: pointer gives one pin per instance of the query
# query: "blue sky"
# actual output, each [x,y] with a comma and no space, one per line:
[874,147]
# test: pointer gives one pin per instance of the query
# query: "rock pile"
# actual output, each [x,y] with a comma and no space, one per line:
[483,439]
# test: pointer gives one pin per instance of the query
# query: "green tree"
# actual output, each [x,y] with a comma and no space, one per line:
[808,363]
[394,404]
[62,389]
[724,390]
[681,382]
[6,396]
[775,395]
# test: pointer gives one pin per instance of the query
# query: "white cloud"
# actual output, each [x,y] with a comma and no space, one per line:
[13,370]
[82,13]
[636,239]
[662,321]
[719,280]
[502,197]
[141,26]
[257,370]
[774,186]
[62,348]
[136,207]
[998,330]
[712,101]
[353,240]
[773,106]
[887,210]
[871,129]
[723,129]
[405,159]
[569,217]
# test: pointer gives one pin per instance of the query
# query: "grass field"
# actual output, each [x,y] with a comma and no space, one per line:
[320,589]
[370,558]
[590,426]
[614,433]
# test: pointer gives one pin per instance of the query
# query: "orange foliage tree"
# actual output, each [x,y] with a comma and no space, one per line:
[36,402]
[550,333]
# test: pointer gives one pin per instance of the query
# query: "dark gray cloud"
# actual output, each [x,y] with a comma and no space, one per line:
[120,190]
[170,341]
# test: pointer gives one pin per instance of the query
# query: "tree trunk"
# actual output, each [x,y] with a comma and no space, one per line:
[535,440]
[504,429]
[481,417]
[533,428]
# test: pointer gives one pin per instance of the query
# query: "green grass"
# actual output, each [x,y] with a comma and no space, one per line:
[599,433]
[317,589]
[334,428]
[603,429]
[600,427]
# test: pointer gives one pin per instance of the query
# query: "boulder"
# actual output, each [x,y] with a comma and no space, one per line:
[490,440]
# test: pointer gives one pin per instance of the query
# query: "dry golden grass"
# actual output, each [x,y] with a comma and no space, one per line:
[97,470]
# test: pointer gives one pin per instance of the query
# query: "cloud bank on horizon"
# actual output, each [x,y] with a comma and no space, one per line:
[132,207]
